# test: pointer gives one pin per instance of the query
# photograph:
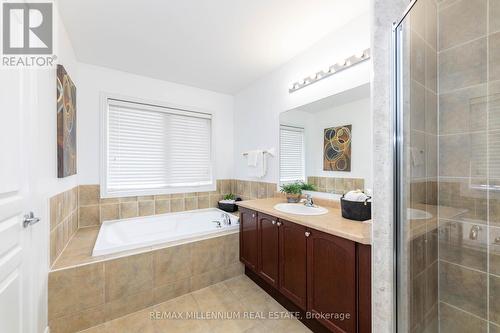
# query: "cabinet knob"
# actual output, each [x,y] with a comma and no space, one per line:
[253,215]
[278,224]
[273,222]
[307,234]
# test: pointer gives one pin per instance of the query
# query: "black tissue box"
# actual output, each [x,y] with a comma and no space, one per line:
[356,210]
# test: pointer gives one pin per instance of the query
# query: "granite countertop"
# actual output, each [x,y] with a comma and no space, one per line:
[332,222]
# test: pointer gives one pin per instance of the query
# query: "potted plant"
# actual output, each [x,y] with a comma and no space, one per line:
[228,203]
[294,190]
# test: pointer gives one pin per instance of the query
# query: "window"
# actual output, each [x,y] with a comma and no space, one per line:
[150,149]
[292,159]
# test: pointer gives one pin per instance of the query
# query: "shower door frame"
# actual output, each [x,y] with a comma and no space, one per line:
[400,317]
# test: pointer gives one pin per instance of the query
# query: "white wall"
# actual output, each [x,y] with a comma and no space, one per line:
[93,80]
[357,114]
[43,181]
[257,107]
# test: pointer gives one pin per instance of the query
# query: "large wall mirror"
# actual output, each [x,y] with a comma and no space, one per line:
[328,144]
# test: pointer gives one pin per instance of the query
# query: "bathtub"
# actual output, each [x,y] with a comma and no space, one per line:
[140,232]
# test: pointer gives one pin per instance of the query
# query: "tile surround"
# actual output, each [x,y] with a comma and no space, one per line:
[468,119]
[336,185]
[117,287]
[93,210]
[63,221]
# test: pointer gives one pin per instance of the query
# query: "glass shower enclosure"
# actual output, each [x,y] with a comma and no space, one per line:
[447,166]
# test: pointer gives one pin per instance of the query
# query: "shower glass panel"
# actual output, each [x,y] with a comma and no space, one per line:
[447,113]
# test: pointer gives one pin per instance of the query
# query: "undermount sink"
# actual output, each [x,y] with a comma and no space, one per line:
[417,214]
[300,209]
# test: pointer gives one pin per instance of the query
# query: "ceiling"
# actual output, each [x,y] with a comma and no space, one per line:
[220,45]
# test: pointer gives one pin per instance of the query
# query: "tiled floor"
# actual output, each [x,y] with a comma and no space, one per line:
[231,297]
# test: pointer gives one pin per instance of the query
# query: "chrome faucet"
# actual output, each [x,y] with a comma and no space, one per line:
[226,220]
[309,201]
[474,230]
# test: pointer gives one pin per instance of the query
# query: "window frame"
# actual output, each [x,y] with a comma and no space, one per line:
[158,105]
[299,129]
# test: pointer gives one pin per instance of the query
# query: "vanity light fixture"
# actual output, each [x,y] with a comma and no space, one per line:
[338,67]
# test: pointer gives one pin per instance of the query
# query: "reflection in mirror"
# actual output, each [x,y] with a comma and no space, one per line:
[328,144]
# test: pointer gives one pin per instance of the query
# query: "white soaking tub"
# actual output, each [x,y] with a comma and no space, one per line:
[140,232]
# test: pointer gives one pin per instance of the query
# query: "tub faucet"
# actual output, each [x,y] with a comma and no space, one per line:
[474,230]
[309,201]
[226,220]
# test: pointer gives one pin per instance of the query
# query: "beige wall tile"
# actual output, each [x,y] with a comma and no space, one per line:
[171,290]
[494,328]
[207,254]
[53,251]
[462,155]
[128,275]
[206,279]
[110,212]
[127,199]
[146,198]
[462,21]
[88,195]
[463,111]
[191,203]
[105,201]
[203,202]
[177,196]
[88,216]
[162,206]
[177,205]
[463,288]
[172,264]
[453,249]
[494,250]
[128,304]
[146,208]
[494,56]
[231,249]
[214,200]
[494,299]
[75,289]
[494,11]
[128,209]
[463,66]
[453,320]
[162,197]
[78,321]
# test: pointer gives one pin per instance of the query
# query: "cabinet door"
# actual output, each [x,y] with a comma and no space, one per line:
[331,280]
[248,238]
[268,248]
[293,265]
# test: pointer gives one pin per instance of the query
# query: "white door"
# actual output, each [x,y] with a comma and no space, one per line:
[15,278]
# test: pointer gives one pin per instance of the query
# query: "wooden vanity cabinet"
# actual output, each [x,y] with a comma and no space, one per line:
[331,280]
[248,238]
[293,262]
[309,270]
[268,248]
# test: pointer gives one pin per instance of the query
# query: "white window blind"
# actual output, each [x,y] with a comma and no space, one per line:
[153,149]
[292,156]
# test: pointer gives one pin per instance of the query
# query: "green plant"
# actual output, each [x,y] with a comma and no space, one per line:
[292,188]
[229,196]
[308,187]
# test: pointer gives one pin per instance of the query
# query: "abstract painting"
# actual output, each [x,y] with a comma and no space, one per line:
[337,148]
[66,124]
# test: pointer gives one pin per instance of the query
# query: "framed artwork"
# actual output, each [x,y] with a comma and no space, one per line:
[337,148]
[66,124]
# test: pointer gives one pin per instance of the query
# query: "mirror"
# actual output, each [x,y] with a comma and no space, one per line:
[328,144]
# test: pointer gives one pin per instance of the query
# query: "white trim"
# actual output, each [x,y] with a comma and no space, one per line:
[154,105]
